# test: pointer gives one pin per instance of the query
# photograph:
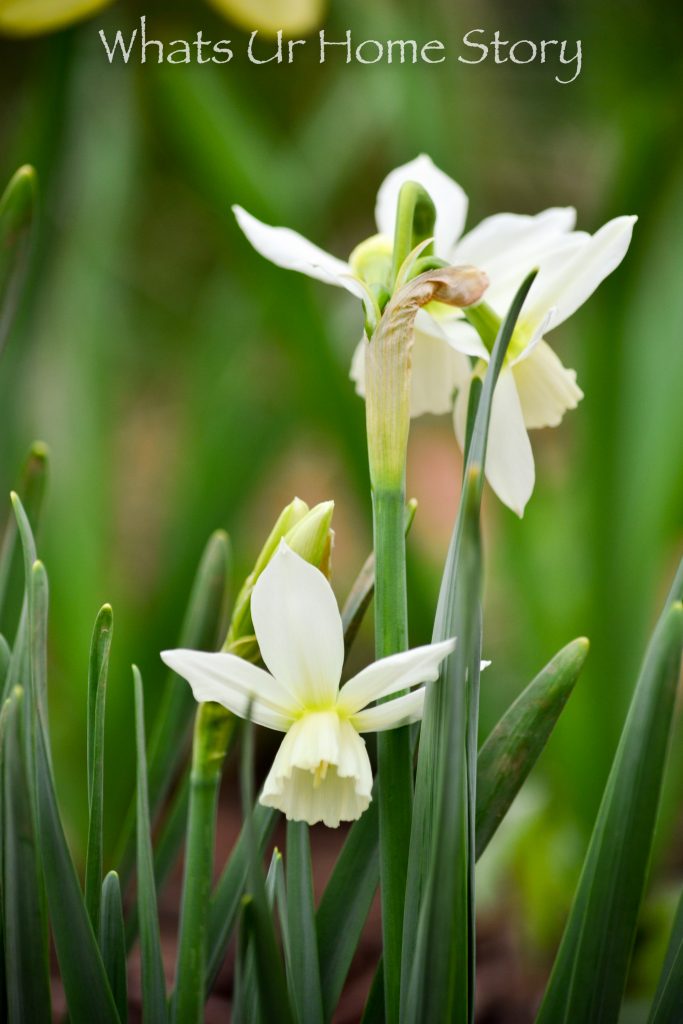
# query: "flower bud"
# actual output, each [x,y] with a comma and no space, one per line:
[312,537]
[308,533]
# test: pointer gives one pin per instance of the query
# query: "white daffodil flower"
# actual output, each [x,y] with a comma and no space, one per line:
[321,771]
[535,389]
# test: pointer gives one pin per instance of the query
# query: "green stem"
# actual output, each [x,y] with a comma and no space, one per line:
[393,748]
[415,219]
[485,321]
[213,728]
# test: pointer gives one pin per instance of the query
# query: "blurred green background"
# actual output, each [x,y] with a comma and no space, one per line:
[182,383]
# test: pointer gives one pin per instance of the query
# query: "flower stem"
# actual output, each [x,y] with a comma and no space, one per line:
[393,748]
[387,406]
[212,732]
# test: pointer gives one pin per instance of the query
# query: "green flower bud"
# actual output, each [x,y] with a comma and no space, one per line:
[312,537]
[308,532]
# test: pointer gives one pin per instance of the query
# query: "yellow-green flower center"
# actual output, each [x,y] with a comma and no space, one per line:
[371,261]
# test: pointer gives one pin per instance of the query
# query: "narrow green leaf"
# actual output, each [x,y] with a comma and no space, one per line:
[438,941]
[667,1005]
[113,942]
[304,980]
[166,848]
[358,601]
[86,986]
[272,877]
[374,1006]
[172,832]
[513,747]
[278,897]
[246,996]
[225,901]
[345,905]
[213,728]
[245,1008]
[17,213]
[5,656]
[27,967]
[169,737]
[589,975]
[31,488]
[153,982]
[270,979]
[97,692]
[273,995]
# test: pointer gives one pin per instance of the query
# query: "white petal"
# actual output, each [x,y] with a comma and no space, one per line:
[462,337]
[401,711]
[448,198]
[546,388]
[357,371]
[528,335]
[288,249]
[509,459]
[437,370]
[512,239]
[235,683]
[389,675]
[321,772]
[568,279]
[298,628]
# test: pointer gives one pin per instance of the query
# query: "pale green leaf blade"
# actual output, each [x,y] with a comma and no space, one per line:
[97,695]
[225,901]
[214,727]
[24,922]
[437,961]
[88,994]
[514,745]
[31,489]
[590,970]
[17,214]
[153,981]
[345,905]
[113,942]
[667,1005]
[304,977]
[170,732]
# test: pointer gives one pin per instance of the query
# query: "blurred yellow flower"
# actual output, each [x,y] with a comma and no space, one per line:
[31,17]
[269,16]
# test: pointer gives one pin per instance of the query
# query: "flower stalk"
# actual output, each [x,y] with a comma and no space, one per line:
[387,375]
[212,733]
